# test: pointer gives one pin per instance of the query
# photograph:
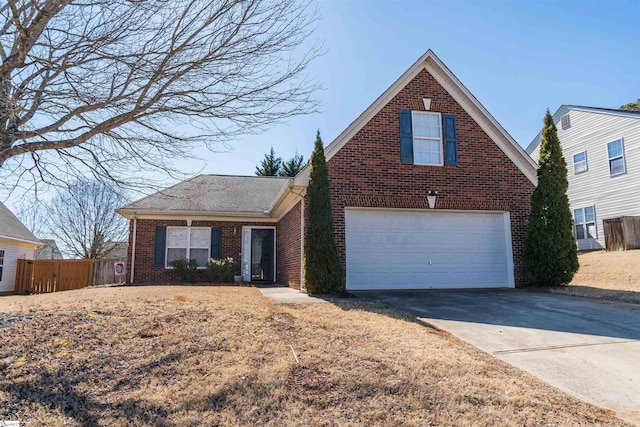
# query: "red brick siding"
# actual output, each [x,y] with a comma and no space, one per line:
[367,171]
[288,248]
[146,272]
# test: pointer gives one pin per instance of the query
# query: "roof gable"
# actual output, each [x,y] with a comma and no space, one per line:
[461,95]
[12,228]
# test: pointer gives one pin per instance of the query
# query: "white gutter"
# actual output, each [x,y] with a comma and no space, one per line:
[133,249]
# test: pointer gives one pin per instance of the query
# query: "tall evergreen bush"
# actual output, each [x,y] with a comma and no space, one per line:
[323,271]
[550,252]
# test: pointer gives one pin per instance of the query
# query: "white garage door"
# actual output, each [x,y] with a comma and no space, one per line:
[396,249]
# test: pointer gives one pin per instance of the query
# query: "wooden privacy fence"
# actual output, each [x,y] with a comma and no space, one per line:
[621,234]
[43,276]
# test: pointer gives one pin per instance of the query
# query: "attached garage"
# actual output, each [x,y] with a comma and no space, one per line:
[415,249]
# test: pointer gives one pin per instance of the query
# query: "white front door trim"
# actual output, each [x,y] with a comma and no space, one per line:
[246,250]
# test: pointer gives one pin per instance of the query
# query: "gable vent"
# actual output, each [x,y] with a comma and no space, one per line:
[565,122]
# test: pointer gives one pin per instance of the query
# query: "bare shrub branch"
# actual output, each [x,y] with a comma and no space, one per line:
[108,88]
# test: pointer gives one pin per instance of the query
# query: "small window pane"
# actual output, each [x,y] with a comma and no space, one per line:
[174,254]
[616,166]
[579,231]
[591,231]
[614,148]
[426,125]
[577,214]
[426,152]
[580,157]
[200,238]
[177,237]
[588,214]
[200,255]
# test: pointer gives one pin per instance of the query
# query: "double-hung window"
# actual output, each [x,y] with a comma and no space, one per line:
[580,163]
[427,138]
[615,150]
[584,222]
[188,243]
[1,263]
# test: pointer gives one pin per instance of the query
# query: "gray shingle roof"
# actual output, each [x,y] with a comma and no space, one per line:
[215,193]
[12,228]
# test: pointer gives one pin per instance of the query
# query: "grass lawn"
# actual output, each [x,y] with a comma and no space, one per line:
[192,356]
[607,275]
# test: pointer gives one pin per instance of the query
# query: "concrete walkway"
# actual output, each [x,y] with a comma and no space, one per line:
[589,348]
[286,295]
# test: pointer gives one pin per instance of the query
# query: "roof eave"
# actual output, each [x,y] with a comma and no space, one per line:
[33,242]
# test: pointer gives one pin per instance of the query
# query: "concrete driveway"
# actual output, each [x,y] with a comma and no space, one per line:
[589,348]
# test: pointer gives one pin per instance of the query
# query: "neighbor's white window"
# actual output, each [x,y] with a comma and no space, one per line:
[427,138]
[188,243]
[615,150]
[584,222]
[1,263]
[580,163]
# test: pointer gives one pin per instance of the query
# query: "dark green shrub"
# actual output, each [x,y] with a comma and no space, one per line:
[550,252]
[222,270]
[323,271]
[186,269]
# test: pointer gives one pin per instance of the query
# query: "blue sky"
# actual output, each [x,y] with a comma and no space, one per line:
[517,57]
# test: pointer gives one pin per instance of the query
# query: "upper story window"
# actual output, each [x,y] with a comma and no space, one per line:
[615,151]
[188,243]
[427,138]
[584,222]
[1,263]
[565,122]
[580,163]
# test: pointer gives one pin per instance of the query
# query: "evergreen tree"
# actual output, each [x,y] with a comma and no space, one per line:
[292,166]
[632,106]
[550,253]
[323,271]
[270,165]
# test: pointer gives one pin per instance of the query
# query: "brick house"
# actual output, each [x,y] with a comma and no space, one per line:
[428,191]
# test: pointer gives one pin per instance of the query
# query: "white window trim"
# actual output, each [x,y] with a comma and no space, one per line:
[622,156]
[167,247]
[439,140]
[585,223]
[2,255]
[586,164]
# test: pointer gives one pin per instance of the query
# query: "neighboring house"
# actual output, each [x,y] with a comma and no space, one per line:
[602,150]
[119,250]
[50,250]
[16,241]
[427,189]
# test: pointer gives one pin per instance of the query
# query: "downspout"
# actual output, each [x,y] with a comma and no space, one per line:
[133,249]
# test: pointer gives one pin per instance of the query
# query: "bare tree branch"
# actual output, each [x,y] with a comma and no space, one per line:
[103,87]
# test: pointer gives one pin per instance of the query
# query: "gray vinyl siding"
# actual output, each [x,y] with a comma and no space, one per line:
[612,197]
[12,251]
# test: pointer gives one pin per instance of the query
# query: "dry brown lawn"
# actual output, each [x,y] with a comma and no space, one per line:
[192,356]
[607,275]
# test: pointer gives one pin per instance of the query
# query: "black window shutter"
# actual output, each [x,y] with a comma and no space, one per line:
[450,140]
[216,243]
[406,137]
[159,246]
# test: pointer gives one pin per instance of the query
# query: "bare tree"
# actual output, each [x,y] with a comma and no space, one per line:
[109,87]
[82,219]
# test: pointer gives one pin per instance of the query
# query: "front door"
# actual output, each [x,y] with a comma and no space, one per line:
[262,255]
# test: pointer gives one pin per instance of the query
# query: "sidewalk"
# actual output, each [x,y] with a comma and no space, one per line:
[286,295]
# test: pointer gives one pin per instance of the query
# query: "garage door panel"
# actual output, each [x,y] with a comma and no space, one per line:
[426,249]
